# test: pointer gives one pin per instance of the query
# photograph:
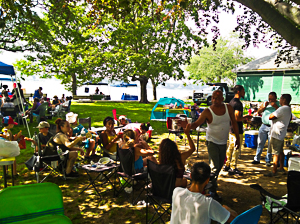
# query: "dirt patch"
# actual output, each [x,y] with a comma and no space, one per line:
[235,190]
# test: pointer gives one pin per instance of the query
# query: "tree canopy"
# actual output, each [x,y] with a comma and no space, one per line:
[214,65]
[134,40]
[71,48]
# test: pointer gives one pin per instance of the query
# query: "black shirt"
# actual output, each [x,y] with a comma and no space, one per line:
[44,139]
[237,105]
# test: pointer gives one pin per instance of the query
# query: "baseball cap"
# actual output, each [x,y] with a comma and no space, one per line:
[122,117]
[9,120]
[43,124]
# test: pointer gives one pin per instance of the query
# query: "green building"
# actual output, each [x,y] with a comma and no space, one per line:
[262,76]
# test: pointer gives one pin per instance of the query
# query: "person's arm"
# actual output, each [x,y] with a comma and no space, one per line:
[15,138]
[262,108]
[202,118]
[272,117]
[107,145]
[234,125]
[143,152]
[239,116]
[192,149]
[233,214]
[64,140]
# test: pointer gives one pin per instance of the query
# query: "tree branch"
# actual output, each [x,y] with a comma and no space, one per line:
[287,29]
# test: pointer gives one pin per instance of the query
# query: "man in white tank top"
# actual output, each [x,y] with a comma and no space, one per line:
[218,117]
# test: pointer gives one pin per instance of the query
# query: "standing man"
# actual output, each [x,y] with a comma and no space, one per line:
[280,122]
[218,117]
[38,93]
[266,110]
[233,152]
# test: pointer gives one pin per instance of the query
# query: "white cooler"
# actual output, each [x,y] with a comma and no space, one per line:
[294,164]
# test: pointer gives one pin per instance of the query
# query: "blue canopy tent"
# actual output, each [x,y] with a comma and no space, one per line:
[6,69]
[162,116]
[124,84]
[124,95]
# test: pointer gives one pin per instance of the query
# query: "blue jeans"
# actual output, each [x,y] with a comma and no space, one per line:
[263,135]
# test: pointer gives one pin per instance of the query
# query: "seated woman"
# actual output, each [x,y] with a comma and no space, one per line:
[142,152]
[170,155]
[76,130]
[61,139]
[110,138]
[36,104]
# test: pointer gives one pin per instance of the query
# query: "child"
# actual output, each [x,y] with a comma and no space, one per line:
[44,135]
[142,152]
[9,123]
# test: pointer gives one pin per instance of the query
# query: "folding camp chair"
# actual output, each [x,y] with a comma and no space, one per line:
[32,203]
[42,112]
[281,208]
[87,120]
[55,163]
[163,183]
[250,216]
[129,175]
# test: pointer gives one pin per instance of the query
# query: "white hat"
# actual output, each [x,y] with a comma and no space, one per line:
[122,117]
[71,117]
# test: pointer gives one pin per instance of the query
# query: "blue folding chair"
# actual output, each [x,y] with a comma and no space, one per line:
[250,216]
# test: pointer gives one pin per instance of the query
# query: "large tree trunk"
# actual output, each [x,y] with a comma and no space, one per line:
[154,89]
[143,82]
[74,85]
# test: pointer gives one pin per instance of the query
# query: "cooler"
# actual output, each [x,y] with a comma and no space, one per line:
[294,164]
[251,139]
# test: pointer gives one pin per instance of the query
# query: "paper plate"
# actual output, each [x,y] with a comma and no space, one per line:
[104,160]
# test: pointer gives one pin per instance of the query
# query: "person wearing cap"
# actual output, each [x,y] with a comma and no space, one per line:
[38,93]
[43,136]
[8,124]
[123,120]
[75,130]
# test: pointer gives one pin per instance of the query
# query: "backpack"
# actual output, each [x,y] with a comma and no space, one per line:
[50,148]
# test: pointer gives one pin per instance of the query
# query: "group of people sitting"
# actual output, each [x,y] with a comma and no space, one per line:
[132,138]
[55,106]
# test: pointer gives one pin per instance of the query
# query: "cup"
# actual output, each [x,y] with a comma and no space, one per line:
[120,134]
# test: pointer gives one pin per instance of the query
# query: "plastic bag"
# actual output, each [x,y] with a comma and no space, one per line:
[9,148]
[296,140]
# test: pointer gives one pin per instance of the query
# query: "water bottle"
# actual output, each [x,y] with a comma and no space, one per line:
[82,133]
[60,153]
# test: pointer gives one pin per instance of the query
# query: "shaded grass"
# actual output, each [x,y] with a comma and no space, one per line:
[86,207]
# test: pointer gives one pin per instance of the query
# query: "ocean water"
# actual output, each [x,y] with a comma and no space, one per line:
[54,87]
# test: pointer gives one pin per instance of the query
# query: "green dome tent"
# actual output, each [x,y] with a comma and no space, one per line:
[162,116]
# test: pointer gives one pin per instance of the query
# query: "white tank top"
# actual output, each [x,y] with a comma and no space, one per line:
[218,130]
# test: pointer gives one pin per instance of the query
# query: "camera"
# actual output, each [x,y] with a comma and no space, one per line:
[179,135]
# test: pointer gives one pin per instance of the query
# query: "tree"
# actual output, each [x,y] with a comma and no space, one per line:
[143,47]
[70,47]
[214,65]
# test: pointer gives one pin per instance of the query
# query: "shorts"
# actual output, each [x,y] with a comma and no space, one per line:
[275,146]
